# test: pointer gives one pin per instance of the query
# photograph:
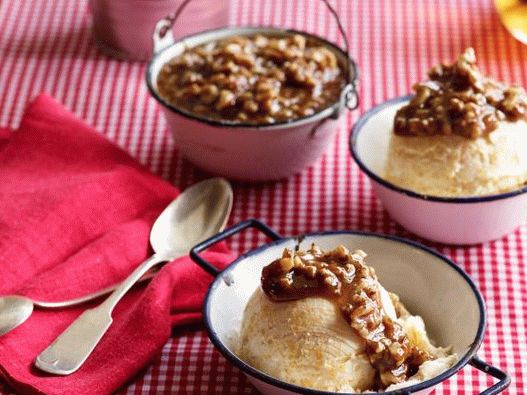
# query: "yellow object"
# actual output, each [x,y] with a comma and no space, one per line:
[513,14]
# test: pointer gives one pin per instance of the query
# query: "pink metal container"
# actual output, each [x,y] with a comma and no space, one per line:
[124,28]
[244,151]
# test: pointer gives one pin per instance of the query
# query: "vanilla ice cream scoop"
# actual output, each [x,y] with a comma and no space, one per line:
[322,320]
[306,342]
[462,134]
[452,166]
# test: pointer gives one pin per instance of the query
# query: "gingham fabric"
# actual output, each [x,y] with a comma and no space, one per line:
[47,46]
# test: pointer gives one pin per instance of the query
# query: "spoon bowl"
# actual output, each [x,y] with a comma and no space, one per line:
[14,310]
[192,217]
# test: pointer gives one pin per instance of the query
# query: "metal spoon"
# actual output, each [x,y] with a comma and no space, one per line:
[198,213]
[15,309]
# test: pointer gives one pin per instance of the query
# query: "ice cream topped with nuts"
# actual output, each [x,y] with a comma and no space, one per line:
[458,99]
[462,134]
[344,277]
[322,320]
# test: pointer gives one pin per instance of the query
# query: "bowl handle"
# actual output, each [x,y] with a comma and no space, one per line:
[349,98]
[163,36]
[250,223]
[504,378]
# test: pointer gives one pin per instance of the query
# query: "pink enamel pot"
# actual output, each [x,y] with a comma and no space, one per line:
[428,283]
[124,28]
[458,221]
[244,151]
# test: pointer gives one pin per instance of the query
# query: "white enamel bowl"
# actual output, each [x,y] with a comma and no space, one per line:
[463,220]
[243,151]
[429,284]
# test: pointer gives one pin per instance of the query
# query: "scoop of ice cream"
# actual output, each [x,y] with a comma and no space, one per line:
[322,320]
[453,166]
[306,342]
[308,323]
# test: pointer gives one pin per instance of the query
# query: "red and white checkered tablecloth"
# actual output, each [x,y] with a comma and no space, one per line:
[47,46]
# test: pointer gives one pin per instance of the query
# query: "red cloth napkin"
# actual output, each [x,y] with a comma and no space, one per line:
[75,217]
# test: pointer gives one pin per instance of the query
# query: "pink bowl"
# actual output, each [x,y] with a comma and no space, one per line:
[249,153]
[462,220]
[244,151]
[124,28]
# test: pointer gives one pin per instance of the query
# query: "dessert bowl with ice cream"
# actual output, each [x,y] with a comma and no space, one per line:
[344,312]
[450,162]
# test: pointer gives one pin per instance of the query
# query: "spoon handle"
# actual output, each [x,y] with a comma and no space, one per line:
[114,298]
[87,298]
[69,351]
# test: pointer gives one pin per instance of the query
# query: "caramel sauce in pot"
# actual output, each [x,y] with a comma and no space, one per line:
[256,79]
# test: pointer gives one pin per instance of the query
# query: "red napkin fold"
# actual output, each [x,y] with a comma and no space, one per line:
[75,216]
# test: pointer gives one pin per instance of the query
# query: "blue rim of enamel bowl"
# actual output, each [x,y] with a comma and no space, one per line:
[359,125]
[230,356]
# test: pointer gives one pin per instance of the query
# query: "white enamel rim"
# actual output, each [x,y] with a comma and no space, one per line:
[355,131]
[215,34]
[428,384]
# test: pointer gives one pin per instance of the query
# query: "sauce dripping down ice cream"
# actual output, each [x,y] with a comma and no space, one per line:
[345,279]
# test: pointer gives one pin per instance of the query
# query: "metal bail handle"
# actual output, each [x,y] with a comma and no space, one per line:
[251,223]
[349,97]
[163,38]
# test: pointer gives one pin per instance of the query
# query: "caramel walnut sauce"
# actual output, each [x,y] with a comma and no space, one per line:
[345,279]
[258,79]
[458,99]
